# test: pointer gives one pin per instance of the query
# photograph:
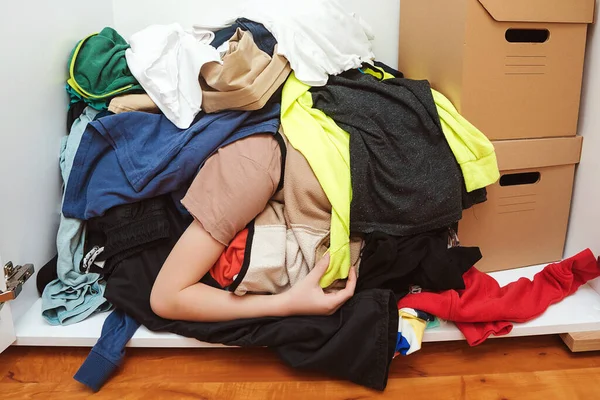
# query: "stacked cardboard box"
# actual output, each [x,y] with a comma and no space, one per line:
[513,68]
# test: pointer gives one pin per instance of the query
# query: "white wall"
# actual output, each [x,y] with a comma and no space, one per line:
[131,16]
[36,38]
[584,225]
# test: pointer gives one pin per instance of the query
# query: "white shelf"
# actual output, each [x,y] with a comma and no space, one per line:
[577,313]
[32,330]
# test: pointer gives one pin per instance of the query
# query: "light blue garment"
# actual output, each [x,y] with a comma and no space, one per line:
[74,295]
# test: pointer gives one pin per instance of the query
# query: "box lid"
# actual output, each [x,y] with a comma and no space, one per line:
[565,11]
[537,153]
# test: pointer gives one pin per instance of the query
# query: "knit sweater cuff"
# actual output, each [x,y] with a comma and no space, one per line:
[95,371]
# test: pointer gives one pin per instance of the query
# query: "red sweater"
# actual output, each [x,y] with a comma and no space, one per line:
[484,308]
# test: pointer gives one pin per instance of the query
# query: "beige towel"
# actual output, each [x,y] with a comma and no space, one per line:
[247,78]
[133,102]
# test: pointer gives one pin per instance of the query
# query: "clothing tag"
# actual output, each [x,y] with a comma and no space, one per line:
[453,240]
[415,289]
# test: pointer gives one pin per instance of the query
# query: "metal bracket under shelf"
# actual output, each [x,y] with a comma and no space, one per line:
[15,277]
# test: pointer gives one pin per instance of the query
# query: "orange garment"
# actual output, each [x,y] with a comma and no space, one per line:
[230,262]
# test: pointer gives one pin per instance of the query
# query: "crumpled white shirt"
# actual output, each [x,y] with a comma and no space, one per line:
[166,61]
[318,37]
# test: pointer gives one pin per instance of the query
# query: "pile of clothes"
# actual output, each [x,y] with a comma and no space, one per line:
[351,158]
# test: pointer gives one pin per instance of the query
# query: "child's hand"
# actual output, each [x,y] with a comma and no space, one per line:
[308,298]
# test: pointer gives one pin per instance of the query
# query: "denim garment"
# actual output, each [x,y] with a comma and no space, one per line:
[262,37]
[129,157]
[107,354]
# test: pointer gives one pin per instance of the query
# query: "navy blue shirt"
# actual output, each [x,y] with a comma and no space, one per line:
[107,355]
[132,156]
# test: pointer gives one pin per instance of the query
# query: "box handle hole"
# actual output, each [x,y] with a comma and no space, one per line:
[524,178]
[527,35]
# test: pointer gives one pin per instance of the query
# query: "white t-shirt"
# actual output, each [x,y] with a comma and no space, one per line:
[318,37]
[166,61]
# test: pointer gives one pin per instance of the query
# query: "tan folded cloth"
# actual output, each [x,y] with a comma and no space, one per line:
[247,78]
[133,102]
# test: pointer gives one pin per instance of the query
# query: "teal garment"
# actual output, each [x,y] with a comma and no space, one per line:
[75,97]
[98,69]
[433,324]
[74,295]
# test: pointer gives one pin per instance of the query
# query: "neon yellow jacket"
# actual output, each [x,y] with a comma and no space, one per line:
[473,151]
[326,147]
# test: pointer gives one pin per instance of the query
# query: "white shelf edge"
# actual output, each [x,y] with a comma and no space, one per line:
[453,334]
[582,309]
[32,330]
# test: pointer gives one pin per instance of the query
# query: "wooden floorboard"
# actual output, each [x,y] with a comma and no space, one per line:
[525,368]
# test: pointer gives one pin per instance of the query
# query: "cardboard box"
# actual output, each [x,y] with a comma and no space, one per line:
[524,222]
[512,67]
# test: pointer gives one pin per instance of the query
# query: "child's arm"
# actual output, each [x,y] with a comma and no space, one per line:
[178,295]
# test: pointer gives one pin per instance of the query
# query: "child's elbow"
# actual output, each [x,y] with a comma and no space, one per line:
[162,305]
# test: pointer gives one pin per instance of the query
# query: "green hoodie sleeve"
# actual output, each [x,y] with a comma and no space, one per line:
[98,68]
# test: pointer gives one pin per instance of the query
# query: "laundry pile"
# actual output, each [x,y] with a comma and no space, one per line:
[287,107]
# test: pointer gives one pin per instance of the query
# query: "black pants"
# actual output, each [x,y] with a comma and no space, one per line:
[356,343]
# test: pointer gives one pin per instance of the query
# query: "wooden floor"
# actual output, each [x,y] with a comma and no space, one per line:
[527,368]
